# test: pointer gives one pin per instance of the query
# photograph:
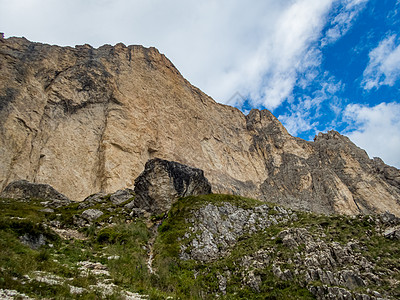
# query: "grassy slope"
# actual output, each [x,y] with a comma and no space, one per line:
[174,277]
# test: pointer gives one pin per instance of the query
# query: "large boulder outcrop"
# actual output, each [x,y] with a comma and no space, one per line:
[163,182]
[24,190]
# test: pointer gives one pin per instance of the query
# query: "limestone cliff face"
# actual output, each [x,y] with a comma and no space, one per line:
[86,120]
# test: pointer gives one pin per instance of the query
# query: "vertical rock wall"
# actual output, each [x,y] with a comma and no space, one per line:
[86,120]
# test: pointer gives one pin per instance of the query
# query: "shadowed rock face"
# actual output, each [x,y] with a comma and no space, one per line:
[87,120]
[22,189]
[163,182]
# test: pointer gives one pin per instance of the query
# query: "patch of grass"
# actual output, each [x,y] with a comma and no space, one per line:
[66,214]
[127,242]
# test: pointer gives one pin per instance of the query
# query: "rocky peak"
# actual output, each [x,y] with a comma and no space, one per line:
[261,119]
[388,173]
[330,135]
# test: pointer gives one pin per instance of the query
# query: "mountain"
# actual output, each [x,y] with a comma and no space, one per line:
[87,120]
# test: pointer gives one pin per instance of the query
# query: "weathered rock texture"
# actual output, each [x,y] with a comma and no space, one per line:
[23,190]
[163,182]
[315,256]
[218,228]
[86,120]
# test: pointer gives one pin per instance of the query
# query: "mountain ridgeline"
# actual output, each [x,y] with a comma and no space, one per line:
[86,120]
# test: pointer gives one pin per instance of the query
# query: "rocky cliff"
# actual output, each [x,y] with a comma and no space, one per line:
[86,120]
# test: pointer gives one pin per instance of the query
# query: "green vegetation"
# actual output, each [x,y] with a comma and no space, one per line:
[123,246]
[19,263]
[196,280]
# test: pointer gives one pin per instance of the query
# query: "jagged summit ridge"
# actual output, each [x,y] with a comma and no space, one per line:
[86,120]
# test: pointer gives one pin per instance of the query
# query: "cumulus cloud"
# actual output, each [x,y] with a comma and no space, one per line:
[384,64]
[376,129]
[290,51]
[299,121]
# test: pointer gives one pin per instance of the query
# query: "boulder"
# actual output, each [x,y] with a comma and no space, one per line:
[24,190]
[121,196]
[116,198]
[92,214]
[388,218]
[34,241]
[87,217]
[163,182]
[92,200]
[392,233]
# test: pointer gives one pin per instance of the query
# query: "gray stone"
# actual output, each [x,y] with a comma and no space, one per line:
[130,205]
[162,182]
[91,214]
[351,280]
[92,200]
[137,213]
[327,292]
[222,283]
[392,233]
[388,218]
[253,280]
[294,237]
[87,217]
[25,190]
[121,196]
[34,241]
[13,294]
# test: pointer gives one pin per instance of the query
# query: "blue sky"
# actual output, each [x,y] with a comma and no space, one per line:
[316,64]
[356,83]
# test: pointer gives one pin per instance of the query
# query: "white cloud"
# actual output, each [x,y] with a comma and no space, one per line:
[343,21]
[304,113]
[289,51]
[377,130]
[256,48]
[384,64]
[298,122]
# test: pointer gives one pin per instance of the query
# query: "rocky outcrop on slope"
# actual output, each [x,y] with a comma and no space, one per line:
[23,190]
[86,120]
[13,294]
[163,182]
[332,257]
[117,198]
[218,228]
